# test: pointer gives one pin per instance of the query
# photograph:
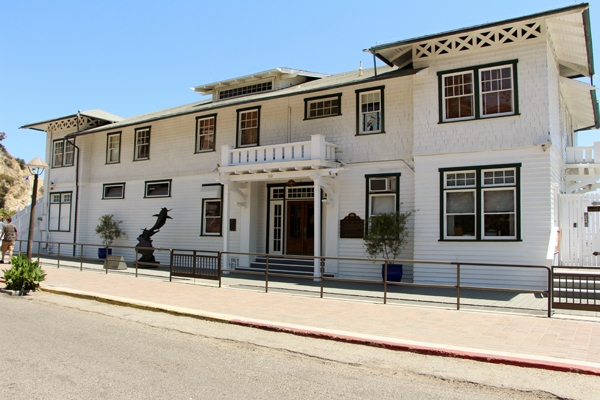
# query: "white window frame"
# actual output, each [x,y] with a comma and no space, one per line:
[512,90]
[60,201]
[320,104]
[462,95]
[203,131]
[107,186]
[362,114]
[139,144]
[148,184]
[63,153]
[113,148]
[478,93]
[241,126]
[478,186]
[205,217]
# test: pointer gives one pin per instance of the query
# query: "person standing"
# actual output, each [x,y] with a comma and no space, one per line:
[8,236]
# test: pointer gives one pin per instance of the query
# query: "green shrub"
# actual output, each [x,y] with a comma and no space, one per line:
[24,274]
[387,233]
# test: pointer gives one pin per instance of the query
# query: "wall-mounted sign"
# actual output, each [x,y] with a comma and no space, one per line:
[352,227]
[593,208]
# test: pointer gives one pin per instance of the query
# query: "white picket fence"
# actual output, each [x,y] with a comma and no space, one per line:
[579,223]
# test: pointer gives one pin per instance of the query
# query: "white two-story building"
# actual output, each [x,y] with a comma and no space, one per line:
[467,128]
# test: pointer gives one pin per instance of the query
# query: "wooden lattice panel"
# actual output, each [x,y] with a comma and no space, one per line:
[71,123]
[485,38]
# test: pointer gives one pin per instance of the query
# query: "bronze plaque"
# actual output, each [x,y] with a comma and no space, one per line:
[352,227]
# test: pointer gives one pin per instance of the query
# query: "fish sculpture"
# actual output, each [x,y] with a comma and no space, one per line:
[161,220]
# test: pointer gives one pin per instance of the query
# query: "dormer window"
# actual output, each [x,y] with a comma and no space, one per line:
[244,90]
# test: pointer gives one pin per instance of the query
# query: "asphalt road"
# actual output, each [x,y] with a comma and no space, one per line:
[58,347]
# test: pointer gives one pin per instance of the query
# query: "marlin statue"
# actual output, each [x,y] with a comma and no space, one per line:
[161,220]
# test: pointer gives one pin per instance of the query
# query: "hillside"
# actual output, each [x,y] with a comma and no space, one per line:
[14,188]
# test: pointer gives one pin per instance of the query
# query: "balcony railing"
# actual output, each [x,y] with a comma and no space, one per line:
[584,154]
[315,149]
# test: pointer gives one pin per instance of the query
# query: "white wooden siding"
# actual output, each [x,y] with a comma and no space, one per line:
[536,223]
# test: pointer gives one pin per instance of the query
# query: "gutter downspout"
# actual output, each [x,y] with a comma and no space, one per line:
[76,187]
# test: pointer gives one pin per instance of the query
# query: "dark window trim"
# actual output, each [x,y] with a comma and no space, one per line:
[149,128]
[368,192]
[60,209]
[108,135]
[113,184]
[478,195]
[371,89]
[62,165]
[169,181]
[477,92]
[214,116]
[220,234]
[237,127]
[329,96]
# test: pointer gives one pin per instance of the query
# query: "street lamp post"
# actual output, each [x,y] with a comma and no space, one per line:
[39,165]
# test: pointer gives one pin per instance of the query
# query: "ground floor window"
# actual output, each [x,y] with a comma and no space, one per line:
[60,211]
[480,203]
[212,210]
[382,194]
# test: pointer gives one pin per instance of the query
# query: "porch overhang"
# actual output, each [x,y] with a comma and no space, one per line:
[279,172]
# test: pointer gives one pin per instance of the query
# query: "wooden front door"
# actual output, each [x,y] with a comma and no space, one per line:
[301,227]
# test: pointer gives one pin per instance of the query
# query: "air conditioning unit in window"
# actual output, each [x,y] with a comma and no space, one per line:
[382,185]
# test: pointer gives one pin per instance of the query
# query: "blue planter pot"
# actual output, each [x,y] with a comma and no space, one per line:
[102,252]
[394,272]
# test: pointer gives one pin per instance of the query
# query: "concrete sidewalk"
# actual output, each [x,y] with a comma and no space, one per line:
[565,343]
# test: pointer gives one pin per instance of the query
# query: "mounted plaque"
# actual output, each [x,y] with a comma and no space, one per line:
[352,227]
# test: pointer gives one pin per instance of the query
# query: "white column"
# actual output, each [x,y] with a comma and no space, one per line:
[317,147]
[225,155]
[317,227]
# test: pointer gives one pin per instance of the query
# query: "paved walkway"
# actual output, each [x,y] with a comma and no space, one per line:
[568,343]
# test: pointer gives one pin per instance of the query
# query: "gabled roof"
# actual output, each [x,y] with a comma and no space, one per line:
[96,114]
[208,88]
[568,27]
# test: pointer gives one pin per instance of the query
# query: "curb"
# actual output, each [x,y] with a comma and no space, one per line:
[315,334]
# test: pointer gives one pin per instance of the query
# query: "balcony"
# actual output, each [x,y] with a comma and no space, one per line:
[285,157]
[583,168]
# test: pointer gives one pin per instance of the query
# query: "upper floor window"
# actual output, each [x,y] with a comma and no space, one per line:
[478,92]
[63,153]
[369,111]
[323,106]
[480,203]
[241,91]
[113,148]
[205,133]
[248,121]
[142,144]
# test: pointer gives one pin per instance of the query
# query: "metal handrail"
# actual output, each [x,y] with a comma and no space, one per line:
[321,275]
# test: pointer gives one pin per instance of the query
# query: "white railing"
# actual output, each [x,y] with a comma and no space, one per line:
[315,149]
[584,155]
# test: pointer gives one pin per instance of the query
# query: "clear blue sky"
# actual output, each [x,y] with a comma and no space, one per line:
[132,57]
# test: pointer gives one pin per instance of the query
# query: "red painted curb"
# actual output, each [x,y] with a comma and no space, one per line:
[432,351]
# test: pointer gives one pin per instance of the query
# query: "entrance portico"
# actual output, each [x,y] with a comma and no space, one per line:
[287,190]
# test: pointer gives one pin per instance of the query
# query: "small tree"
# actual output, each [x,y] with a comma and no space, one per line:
[386,235]
[108,229]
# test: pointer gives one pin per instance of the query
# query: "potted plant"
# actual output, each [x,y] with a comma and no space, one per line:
[24,275]
[108,229]
[385,237]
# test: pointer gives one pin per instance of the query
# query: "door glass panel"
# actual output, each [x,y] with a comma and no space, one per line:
[295,221]
[310,221]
